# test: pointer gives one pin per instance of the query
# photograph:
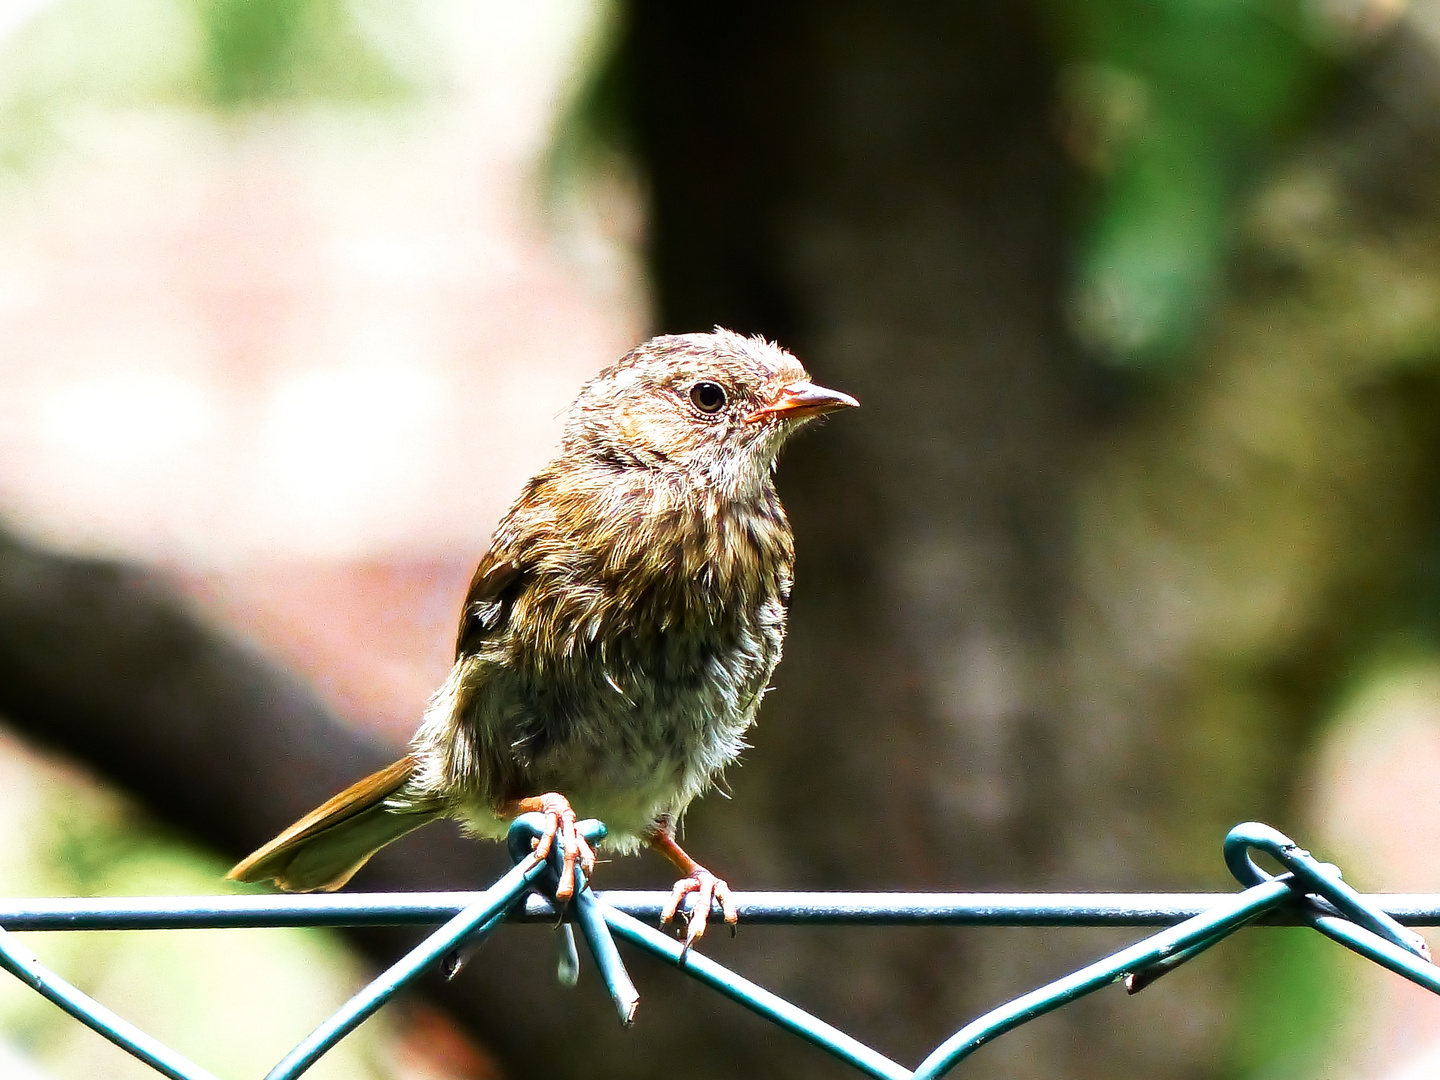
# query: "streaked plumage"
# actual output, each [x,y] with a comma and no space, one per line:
[621,631]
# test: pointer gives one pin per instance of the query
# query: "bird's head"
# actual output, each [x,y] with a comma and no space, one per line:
[717,405]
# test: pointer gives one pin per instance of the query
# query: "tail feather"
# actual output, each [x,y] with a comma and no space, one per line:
[324,848]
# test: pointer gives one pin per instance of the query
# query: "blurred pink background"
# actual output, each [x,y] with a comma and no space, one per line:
[306,359]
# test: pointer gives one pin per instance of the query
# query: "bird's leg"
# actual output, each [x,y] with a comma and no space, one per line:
[705,885]
[561,821]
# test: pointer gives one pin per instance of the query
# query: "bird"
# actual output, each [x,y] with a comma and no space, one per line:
[618,635]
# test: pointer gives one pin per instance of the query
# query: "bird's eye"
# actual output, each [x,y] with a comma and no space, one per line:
[708,397]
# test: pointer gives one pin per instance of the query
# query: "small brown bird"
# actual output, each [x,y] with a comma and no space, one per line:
[618,635]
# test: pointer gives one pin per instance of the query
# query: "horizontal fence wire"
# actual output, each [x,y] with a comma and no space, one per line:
[755,908]
[1307,893]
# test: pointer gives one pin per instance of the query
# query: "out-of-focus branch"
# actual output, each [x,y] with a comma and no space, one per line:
[106,663]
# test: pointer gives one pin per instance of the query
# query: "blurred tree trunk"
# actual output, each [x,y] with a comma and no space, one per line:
[878,186]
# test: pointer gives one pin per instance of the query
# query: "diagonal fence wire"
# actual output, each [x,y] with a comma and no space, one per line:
[1308,892]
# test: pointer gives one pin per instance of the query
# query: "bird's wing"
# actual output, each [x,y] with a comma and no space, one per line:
[492,590]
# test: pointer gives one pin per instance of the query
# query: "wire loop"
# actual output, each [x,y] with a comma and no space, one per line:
[1309,876]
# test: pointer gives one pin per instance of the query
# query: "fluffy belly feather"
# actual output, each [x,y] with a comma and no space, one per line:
[627,745]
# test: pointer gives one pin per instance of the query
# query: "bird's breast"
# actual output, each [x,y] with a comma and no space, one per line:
[647,662]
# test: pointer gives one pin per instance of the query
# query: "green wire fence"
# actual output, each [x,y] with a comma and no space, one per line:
[1308,892]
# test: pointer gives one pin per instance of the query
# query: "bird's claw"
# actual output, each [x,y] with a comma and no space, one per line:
[561,822]
[707,889]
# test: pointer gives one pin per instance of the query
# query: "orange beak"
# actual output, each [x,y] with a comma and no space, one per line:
[802,399]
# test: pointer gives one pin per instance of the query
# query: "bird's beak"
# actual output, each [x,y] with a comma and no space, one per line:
[802,399]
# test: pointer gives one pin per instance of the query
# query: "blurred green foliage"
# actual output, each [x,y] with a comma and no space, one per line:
[233,1000]
[1293,1002]
[263,50]
[591,133]
[1172,105]
[230,56]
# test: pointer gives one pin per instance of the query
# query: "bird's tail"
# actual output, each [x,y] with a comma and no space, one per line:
[324,848]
